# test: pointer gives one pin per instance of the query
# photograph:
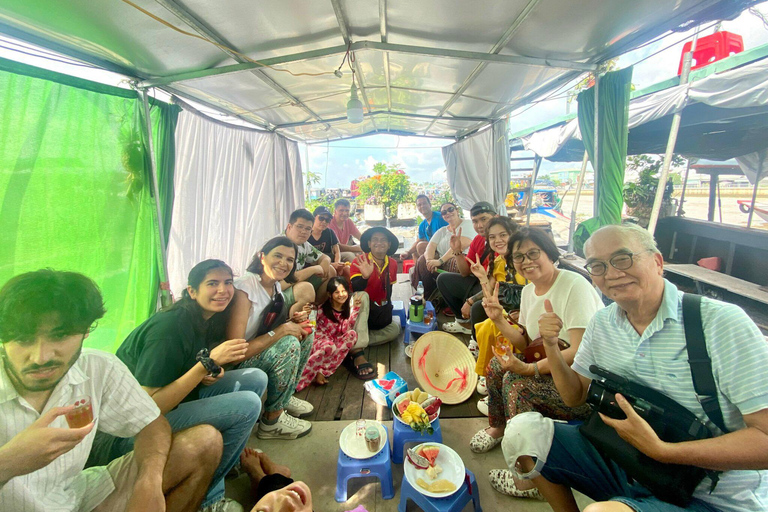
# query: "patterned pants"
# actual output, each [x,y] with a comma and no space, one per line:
[283,363]
[510,394]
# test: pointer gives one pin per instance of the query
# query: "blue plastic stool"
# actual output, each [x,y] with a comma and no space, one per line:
[453,503]
[420,327]
[398,310]
[405,434]
[379,465]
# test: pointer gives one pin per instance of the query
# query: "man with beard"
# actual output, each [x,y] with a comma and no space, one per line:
[44,318]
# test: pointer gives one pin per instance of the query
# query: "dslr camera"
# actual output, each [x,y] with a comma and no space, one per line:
[601,396]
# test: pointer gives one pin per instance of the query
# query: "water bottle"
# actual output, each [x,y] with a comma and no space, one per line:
[420,289]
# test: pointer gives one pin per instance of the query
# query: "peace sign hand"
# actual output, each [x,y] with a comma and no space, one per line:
[477,268]
[491,304]
[455,240]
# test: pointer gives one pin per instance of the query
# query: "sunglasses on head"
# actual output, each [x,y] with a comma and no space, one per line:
[448,210]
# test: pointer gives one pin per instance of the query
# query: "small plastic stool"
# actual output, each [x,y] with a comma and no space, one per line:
[407,265]
[420,327]
[379,465]
[398,310]
[405,434]
[469,491]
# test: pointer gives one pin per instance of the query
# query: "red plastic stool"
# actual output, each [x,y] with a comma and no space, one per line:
[407,265]
[712,48]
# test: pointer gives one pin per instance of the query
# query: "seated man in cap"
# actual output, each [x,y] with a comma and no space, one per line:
[641,338]
[427,228]
[345,229]
[312,266]
[44,318]
[374,272]
[458,288]
[324,239]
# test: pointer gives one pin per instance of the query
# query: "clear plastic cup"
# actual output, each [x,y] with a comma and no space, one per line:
[82,414]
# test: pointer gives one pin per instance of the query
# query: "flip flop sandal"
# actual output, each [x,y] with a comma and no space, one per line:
[355,369]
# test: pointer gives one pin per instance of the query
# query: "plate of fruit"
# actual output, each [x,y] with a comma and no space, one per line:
[434,469]
[417,409]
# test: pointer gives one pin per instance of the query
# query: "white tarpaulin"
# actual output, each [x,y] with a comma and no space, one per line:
[754,165]
[235,189]
[742,87]
[478,167]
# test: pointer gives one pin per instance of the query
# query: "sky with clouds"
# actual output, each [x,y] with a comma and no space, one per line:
[340,162]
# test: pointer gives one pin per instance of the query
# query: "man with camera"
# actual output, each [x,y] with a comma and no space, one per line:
[641,339]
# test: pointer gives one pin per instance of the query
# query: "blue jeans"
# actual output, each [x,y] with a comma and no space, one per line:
[232,405]
[574,462]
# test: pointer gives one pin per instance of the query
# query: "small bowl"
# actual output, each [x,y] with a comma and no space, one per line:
[396,414]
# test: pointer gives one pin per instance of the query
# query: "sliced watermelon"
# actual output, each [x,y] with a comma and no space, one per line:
[430,453]
[402,405]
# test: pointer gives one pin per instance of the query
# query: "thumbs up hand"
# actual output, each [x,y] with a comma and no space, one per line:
[550,325]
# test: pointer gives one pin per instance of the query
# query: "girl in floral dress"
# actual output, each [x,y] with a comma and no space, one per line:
[334,335]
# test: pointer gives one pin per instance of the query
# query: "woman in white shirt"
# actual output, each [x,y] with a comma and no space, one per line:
[438,254]
[516,386]
[277,345]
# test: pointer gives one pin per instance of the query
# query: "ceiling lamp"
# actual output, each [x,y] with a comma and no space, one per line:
[354,106]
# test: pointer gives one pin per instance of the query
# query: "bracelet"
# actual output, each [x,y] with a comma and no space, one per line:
[536,373]
[457,253]
[204,358]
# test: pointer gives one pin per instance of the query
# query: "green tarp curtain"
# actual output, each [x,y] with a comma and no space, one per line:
[75,188]
[615,90]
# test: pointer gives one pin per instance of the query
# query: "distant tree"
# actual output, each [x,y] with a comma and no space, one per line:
[311,179]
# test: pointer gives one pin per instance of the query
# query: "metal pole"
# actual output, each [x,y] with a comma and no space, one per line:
[682,192]
[596,146]
[754,198]
[534,174]
[673,130]
[162,263]
[575,206]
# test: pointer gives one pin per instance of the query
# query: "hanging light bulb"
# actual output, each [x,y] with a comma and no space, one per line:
[354,105]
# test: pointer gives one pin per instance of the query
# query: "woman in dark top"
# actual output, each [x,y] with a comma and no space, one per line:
[168,355]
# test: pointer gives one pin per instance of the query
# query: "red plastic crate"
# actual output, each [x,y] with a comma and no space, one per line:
[712,48]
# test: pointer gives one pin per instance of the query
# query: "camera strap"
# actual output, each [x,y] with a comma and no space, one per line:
[698,359]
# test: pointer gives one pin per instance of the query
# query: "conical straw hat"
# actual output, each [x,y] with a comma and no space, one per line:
[444,367]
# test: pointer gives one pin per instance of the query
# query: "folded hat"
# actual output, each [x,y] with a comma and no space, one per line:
[531,434]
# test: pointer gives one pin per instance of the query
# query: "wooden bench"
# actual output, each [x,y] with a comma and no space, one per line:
[730,284]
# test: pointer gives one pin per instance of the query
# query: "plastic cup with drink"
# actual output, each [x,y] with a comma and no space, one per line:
[82,414]
[502,347]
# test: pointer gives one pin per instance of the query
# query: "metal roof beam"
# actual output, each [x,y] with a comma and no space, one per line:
[204,31]
[383,33]
[342,22]
[386,112]
[505,38]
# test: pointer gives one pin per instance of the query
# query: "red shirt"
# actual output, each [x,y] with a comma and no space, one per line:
[376,287]
[343,233]
[476,248]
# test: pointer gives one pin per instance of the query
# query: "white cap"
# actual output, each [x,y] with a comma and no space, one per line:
[531,434]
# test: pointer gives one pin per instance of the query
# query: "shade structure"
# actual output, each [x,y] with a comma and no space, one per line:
[441,68]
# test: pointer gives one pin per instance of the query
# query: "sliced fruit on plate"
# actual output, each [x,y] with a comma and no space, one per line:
[416,459]
[436,486]
[434,471]
[430,453]
[402,405]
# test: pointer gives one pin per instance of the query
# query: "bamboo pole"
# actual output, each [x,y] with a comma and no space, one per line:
[580,184]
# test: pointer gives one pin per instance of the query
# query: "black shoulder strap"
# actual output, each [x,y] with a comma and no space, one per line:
[698,358]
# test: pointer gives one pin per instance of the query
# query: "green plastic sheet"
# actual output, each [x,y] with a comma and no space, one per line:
[75,188]
[614,90]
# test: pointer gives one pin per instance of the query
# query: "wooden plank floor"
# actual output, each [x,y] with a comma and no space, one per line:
[344,397]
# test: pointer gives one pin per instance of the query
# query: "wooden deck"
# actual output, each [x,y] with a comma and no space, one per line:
[344,397]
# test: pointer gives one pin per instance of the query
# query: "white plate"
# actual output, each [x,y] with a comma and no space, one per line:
[354,446]
[397,414]
[449,460]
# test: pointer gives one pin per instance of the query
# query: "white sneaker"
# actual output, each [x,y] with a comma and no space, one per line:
[287,427]
[299,408]
[474,348]
[223,505]
[482,406]
[481,388]
[455,327]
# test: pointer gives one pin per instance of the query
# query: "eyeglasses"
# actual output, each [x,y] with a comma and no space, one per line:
[448,210]
[532,255]
[620,262]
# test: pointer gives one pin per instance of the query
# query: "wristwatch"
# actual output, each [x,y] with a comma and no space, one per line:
[204,358]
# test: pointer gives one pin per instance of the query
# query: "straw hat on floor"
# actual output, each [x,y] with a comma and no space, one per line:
[444,367]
